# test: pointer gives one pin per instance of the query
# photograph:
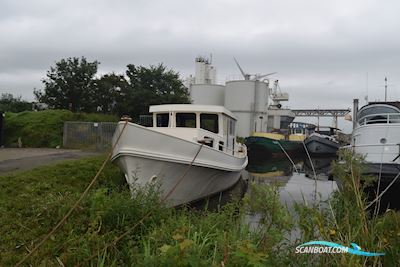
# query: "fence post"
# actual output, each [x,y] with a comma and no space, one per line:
[65,134]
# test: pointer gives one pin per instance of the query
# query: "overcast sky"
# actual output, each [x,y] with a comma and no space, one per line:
[321,50]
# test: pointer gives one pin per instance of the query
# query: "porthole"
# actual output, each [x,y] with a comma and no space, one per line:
[383,141]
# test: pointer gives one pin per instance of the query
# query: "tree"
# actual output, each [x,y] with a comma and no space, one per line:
[13,104]
[69,85]
[109,93]
[153,86]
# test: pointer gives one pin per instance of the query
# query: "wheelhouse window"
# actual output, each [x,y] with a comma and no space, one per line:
[209,122]
[378,114]
[186,120]
[162,120]
[232,127]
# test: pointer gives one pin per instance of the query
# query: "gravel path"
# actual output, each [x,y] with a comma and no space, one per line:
[16,159]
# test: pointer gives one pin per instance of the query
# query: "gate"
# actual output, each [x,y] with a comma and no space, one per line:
[88,135]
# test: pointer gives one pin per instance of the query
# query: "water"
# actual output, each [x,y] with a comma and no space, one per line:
[297,183]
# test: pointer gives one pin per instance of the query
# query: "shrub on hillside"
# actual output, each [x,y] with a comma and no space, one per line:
[43,128]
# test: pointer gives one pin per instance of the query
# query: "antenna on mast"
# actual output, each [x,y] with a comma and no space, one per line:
[385,89]
[366,96]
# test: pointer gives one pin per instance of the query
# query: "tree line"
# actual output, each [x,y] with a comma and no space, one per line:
[11,103]
[73,84]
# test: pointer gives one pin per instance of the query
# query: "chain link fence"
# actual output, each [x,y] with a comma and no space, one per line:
[88,135]
[94,135]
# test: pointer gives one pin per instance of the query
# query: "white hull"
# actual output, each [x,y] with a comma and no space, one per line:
[378,143]
[198,183]
[147,155]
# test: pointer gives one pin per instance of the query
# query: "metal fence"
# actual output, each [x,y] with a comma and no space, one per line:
[146,120]
[89,135]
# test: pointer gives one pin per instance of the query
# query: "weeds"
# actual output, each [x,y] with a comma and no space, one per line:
[32,203]
[44,128]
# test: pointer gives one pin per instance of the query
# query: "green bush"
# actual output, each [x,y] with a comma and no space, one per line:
[43,128]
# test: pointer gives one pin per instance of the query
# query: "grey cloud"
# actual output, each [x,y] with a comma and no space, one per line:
[321,50]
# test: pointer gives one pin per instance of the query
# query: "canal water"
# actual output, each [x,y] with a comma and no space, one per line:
[298,180]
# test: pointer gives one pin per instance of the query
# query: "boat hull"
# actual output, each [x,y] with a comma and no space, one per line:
[321,146]
[387,173]
[377,142]
[198,183]
[185,171]
[266,147]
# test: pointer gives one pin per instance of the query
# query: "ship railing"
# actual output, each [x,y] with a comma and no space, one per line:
[382,118]
[239,149]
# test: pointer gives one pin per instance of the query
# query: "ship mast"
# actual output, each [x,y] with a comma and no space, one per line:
[385,89]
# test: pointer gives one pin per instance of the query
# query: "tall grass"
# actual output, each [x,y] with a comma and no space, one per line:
[344,219]
[33,202]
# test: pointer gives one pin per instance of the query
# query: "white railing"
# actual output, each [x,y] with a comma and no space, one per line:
[383,118]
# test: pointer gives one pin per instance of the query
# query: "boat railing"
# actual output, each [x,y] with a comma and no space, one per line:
[238,151]
[382,118]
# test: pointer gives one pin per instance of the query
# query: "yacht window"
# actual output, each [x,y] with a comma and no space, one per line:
[225,125]
[209,122]
[186,120]
[162,120]
[394,119]
[231,127]
[378,111]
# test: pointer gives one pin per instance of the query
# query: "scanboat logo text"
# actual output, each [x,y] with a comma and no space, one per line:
[330,247]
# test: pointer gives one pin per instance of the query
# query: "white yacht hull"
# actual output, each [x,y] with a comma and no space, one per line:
[198,183]
[148,156]
[378,143]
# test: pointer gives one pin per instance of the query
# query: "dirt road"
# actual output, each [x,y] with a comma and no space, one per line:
[15,159]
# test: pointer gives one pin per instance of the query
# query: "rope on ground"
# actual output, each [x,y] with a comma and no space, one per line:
[113,243]
[287,155]
[64,219]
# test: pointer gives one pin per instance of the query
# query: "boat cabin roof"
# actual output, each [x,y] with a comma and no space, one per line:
[379,112]
[191,108]
[390,103]
[379,107]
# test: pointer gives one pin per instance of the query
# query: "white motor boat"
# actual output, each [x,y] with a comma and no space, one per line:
[162,153]
[376,136]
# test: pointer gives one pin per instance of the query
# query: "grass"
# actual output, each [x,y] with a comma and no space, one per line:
[33,202]
[43,128]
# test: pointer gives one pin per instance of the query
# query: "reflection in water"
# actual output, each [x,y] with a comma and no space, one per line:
[322,168]
[297,183]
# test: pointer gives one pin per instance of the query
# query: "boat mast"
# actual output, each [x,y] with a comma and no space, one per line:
[385,89]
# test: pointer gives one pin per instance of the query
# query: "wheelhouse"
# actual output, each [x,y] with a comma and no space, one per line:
[376,113]
[213,125]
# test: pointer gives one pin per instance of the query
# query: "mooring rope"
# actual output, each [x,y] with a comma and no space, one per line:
[287,155]
[383,192]
[312,166]
[113,243]
[377,207]
[66,216]
[309,158]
